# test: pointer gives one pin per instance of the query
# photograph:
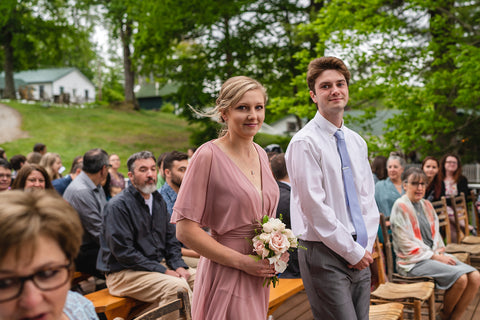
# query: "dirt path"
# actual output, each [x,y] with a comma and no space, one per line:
[10,122]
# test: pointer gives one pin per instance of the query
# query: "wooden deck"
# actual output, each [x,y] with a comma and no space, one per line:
[473,310]
[298,308]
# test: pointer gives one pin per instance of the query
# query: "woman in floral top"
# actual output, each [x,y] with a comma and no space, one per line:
[420,249]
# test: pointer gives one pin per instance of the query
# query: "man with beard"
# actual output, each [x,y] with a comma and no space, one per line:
[174,166]
[137,236]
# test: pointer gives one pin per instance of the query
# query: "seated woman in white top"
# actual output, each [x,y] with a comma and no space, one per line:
[420,249]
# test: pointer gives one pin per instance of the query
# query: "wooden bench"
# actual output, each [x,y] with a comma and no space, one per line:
[285,289]
[112,306]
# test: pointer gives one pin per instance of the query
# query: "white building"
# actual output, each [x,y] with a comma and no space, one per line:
[62,85]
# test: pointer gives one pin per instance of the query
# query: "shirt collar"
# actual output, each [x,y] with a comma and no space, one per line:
[326,125]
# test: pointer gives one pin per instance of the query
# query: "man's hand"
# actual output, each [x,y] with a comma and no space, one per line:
[183,273]
[364,262]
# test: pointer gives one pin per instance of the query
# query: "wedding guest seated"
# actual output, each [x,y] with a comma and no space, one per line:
[175,165]
[62,183]
[420,249]
[453,183]
[379,168]
[52,163]
[34,157]
[390,189]
[17,161]
[279,170]
[430,166]
[136,237]
[32,177]
[40,235]
[117,180]
[5,174]
[40,148]
[85,194]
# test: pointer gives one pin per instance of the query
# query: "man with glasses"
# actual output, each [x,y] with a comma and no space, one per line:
[5,174]
[86,195]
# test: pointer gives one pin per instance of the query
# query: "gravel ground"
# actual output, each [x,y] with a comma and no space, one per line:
[10,122]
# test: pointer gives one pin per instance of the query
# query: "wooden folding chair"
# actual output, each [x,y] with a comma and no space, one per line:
[182,305]
[461,252]
[460,210]
[386,311]
[474,197]
[411,295]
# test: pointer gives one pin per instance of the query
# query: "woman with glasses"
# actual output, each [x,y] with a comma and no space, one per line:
[32,177]
[40,235]
[452,184]
[420,249]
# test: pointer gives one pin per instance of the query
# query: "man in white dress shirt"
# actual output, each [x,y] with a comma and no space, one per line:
[334,268]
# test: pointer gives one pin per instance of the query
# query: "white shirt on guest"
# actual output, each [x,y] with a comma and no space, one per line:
[318,207]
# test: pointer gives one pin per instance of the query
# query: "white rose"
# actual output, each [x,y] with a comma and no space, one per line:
[268,227]
[279,264]
[265,237]
[278,225]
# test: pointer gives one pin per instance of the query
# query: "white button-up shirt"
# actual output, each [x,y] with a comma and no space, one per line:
[318,207]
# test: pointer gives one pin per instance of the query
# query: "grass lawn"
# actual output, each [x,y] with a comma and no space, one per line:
[71,131]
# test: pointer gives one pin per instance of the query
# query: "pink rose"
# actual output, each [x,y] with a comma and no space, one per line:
[259,248]
[278,243]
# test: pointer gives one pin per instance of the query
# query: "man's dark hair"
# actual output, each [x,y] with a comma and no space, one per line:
[38,147]
[137,156]
[173,156]
[17,160]
[161,158]
[4,163]
[317,66]
[94,160]
[279,167]
[77,164]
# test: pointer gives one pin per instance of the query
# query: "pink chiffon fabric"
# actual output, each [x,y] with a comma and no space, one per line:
[216,194]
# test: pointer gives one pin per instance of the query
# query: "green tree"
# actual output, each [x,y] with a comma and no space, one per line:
[36,33]
[420,57]
[225,38]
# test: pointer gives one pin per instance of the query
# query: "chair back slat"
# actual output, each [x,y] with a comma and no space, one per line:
[460,212]
[387,244]
[473,197]
[440,207]
[377,257]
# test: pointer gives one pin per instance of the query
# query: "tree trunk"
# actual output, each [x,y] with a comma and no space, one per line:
[126,36]
[443,39]
[9,91]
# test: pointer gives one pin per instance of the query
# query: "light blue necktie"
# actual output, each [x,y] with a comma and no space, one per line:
[350,191]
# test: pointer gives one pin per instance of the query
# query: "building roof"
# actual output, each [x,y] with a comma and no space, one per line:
[149,90]
[42,75]
[17,82]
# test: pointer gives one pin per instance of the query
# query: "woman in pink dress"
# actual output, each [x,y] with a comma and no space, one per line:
[228,187]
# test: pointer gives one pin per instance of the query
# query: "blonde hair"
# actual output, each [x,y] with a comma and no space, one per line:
[48,159]
[230,93]
[25,216]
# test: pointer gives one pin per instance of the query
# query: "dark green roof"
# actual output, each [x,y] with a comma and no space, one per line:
[377,124]
[148,90]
